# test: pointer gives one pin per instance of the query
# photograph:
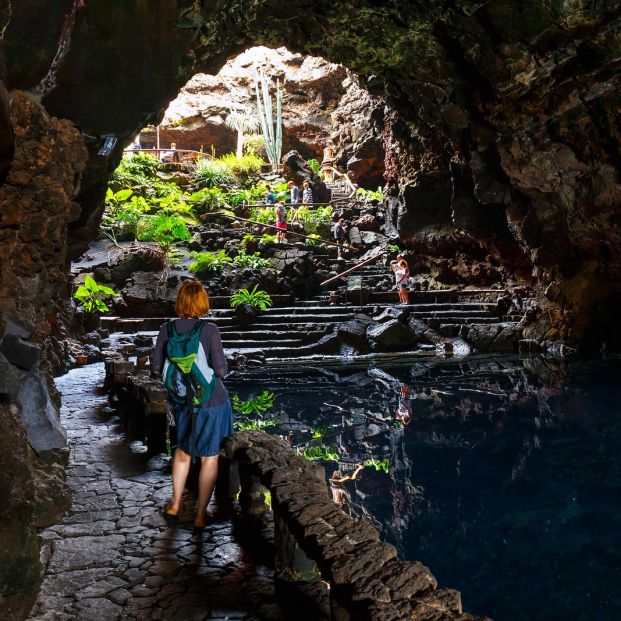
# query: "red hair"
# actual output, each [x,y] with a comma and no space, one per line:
[192,299]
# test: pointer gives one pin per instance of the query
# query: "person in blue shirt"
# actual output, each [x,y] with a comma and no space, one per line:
[270,197]
[295,193]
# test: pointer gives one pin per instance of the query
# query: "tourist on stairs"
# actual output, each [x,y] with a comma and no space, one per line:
[402,277]
[340,235]
[188,355]
[307,194]
[270,197]
[281,223]
[294,193]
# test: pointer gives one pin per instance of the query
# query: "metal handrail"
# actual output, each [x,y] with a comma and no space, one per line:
[271,226]
[353,269]
[348,181]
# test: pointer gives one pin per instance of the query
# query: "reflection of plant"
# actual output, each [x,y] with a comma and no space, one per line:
[320,432]
[254,261]
[314,165]
[209,262]
[257,298]
[394,248]
[254,424]
[257,405]
[90,296]
[164,229]
[321,452]
[379,464]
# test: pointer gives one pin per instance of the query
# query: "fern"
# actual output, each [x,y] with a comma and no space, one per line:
[209,262]
[257,298]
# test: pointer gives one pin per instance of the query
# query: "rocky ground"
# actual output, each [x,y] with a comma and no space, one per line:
[114,556]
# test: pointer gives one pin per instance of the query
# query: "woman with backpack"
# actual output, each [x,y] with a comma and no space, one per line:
[188,355]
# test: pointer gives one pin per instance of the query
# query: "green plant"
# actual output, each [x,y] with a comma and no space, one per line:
[314,165]
[262,215]
[209,262]
[164,229]
[257,298]
[380,465]
[394,248]
[254,424]
[90,295]
[369,195]
[211,173]
[257,405]
[254,261]
[207,200]
[312,240]
[272,130]
[319,432]
[240,165]
[266,238]
[135,170]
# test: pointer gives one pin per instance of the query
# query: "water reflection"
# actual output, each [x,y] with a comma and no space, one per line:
[501,474]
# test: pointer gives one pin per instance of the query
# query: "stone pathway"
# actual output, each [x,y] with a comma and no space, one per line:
[114,556]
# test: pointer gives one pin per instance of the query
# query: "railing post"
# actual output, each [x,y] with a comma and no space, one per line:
[251,495]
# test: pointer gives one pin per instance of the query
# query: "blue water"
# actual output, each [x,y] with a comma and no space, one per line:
[505,479]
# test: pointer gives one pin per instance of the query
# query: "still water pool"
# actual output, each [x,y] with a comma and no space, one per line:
[502,475]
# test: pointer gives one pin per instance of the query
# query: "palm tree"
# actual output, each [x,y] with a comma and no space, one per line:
[242,122]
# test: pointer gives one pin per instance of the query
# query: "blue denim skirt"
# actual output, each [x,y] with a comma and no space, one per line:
[212,426]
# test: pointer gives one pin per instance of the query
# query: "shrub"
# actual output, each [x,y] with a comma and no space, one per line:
[257,405]
[211,173]
[266,238]
[254,261]
[380,465]
[314,165]
[135,170]
[164,229]
[209,262]
[369,195]
[312,240]
[263,215]
[254,144]
[90,295]
[257,298]
[242,166]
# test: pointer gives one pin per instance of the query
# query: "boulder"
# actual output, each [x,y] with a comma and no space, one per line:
[246,314]
[298,170]
[136,259]
[367,223]
[391,335]
[392,312]
[10,377]
[40,415]
[354,331]
[23,354]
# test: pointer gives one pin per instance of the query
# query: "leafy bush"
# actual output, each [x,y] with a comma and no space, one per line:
[211,173]
[263,215]
[252,195]
[209,262]
[312,240]
[90,295]
[207,200]
[314,165]
[135,170]
[254,424]
[254,261]
[248,241]
[257,298]
[257,405]
[164,229]
[369,195]
[242,166]
[266,238]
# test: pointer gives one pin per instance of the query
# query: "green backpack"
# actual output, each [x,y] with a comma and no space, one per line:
[187,375]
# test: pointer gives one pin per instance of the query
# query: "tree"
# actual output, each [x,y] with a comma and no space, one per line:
[242,122]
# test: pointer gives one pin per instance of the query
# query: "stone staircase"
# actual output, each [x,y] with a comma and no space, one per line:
[294,332]
[339,190]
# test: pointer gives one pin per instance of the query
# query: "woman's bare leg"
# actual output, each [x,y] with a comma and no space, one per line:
[180,470]
[206,483]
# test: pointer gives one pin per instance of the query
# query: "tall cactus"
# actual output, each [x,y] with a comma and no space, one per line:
[272,131]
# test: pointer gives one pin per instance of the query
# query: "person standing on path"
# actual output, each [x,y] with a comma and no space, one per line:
[202,428]
[294,193]
[270,197]
[281,223]
[340,235]
[402,277]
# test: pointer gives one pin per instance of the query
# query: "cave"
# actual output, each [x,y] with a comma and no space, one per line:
[498,124]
